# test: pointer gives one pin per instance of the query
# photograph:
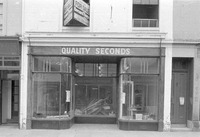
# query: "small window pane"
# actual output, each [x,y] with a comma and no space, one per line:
[140,65]
[51,64]
[144,23]
[54,64]
[137,23]
[11,58]
[11,63]
[112,70]
[89,69]
[153,23]
[153,65]
[102,70]
[66,64]
[79,69]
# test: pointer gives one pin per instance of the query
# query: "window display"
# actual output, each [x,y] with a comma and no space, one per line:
[94,100]
[51,89]
[139,92]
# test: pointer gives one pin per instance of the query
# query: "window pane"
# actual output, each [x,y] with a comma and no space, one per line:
[140,65]
[112,70]
[79,69]
[102,70]
[11,58]
[139,97]
[46,89]
[54,64]
[80,98]
[51,64]
[66,64]
[152,65]
[11,63]
[144,23]
[89,69]
[137,23]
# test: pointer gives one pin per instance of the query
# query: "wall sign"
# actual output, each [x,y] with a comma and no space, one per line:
[75,13]
[95,51]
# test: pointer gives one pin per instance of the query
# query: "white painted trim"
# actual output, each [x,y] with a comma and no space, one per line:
[167,89]
[23,88]
[5,4]
[23,16]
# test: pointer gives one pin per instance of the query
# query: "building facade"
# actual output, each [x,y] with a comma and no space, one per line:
[133,63]
[10,60]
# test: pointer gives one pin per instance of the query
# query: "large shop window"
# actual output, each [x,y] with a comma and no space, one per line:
[139,89]
[52,87]
[145,13]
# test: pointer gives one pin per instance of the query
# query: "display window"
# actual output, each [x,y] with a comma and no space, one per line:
[94,100]
[52,90]
[139,89]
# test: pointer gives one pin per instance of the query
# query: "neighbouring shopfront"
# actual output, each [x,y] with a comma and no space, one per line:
[10,61]
[108,85]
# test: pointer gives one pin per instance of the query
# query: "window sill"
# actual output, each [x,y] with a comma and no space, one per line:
[75,29]
[146,29]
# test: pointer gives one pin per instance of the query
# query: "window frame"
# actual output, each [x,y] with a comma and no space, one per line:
[60,92]
[149,20]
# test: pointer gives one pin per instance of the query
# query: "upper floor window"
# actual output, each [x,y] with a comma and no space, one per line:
[76,13]
[145,13]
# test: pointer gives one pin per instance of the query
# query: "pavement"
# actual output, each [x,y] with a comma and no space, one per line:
[89,130]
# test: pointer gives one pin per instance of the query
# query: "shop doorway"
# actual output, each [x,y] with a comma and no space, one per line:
[95,100]
[9,97]
[181,94]
[95,93]
[178,97]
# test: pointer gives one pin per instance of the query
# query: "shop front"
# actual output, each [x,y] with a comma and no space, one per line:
[108,85]
[9,79]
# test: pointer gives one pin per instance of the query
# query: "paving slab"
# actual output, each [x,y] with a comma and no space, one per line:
[89,130]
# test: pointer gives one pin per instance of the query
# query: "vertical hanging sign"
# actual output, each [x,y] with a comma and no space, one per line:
[75,13]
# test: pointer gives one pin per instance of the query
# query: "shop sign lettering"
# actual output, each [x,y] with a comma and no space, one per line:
[95,51]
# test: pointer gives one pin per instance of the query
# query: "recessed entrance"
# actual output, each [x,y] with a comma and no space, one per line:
[9,97]
[95,93]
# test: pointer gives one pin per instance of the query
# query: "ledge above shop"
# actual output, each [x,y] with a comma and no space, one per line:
[36,38]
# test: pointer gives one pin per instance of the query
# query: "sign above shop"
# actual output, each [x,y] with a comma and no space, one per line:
[95,51]
[75,13]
